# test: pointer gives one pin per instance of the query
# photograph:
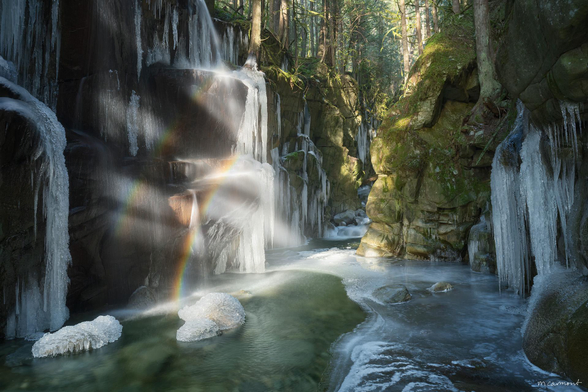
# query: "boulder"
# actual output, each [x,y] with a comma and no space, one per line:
[555,335]
[347,218]
[392,294]
[143,298]
[441,287]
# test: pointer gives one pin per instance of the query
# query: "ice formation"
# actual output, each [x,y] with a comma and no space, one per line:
[133,123]
[88,335]
[197,329]
[223,309]
[40,307]
[529,202]
[32,43]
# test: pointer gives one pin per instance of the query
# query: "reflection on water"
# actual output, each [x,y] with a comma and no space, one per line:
[292,319]
[467,339]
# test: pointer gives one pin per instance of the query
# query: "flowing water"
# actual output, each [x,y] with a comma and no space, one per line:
[312,324]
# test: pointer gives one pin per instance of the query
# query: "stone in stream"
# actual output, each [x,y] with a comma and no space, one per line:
[142,298]
[441,287]
[347,217]
[392,294]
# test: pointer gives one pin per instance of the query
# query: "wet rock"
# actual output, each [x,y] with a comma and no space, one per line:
[441,287]
[143,298]
[482,256]
[347,217]
[556,333]
[393,294]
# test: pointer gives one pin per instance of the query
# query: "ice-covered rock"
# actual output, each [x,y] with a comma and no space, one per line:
[392,294]
[441,287]
[80,337]
[224,309]
[197,329]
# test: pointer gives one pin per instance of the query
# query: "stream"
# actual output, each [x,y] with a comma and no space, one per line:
[312,324]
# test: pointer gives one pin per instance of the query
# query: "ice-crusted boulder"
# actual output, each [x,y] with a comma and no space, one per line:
[224,309]
[80,337]
[197,329]
[441,287]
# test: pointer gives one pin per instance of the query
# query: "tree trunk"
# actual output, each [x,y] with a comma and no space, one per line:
[489,86]
[311,28]
[404,38]
[255,42]
[419,33]
[435,17]
[427,19]
[283,23]
[323,33]
[456,6]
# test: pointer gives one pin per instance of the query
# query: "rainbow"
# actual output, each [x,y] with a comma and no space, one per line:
[139,188]
[179,282]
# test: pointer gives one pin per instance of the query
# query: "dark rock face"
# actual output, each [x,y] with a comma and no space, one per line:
[542,57]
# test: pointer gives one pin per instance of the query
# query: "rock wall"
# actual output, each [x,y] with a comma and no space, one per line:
[433,160]
[541,60]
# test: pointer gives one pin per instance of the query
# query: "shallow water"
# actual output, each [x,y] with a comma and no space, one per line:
[292,319]
[466,339]
[304,333]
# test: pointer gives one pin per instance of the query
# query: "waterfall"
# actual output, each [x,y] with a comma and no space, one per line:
[32,43]
[528,202]
[42,306]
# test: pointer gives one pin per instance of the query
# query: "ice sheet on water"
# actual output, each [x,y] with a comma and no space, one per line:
[197,329]
[80,337]
[223,309]
[380,366]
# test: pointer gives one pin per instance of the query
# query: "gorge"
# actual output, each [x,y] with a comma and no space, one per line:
[179,211]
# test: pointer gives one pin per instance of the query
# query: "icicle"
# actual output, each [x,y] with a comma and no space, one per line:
[133,123]
[138,18]
[36,313]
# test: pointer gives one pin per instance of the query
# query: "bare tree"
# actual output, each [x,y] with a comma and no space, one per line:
[419,33]
[489,86]
[427,19]
[455,6]
[402,8]
[255,43]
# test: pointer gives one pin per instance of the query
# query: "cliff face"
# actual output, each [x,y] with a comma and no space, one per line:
[146,125]
[433,160]
[542,59]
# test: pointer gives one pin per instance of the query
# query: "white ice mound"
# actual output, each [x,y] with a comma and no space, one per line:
[80,337]
[224,309]
[197,329]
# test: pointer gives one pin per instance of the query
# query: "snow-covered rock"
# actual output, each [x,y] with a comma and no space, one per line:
[80,337]
[224,309]
[197,329]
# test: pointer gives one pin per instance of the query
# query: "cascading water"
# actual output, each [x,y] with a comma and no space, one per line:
[40,305]
[529,203]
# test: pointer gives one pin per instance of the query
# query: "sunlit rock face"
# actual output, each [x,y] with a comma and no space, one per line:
[433,161]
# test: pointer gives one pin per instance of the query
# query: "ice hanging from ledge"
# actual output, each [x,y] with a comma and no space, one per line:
[42,306]
[529,202]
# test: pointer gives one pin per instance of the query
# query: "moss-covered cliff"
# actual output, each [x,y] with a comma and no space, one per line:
[433,160]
